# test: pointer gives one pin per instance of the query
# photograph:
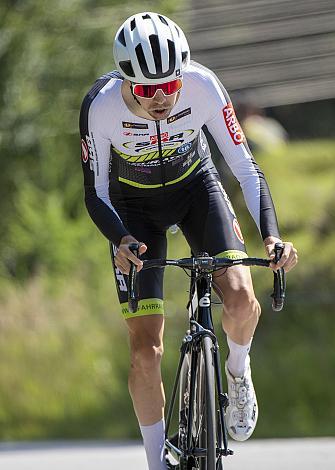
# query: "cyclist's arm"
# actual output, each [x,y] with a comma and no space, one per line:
[229,137]
[95,153]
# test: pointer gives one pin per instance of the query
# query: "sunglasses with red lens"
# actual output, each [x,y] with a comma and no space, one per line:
[149,91]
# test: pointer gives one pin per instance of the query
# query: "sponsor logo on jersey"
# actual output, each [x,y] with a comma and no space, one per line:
[233,125]
[135,159]
[92,154]
[164,138]
[179,115]
[237,230]
[171,141]
[185,147]
[226,198]
[143,169]
[122,285]
[203,143]
[145,308]
[136,134]
[84,151]
[189,159]
[134,125]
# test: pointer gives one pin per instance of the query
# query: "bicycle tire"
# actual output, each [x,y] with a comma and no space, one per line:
[208,431]
[204,414]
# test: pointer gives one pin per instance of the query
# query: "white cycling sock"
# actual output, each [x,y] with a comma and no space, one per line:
[154,440]
[238,358]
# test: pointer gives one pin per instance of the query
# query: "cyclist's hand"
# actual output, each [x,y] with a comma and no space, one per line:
[289,257]
[123,254]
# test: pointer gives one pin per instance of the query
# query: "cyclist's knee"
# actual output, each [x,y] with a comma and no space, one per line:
[146,355]
[146,342]
[241,305]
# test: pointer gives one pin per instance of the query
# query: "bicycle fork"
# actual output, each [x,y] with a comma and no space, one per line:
[190,345]
[223,402]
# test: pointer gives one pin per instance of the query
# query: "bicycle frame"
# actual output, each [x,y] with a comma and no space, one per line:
[201,324]
[200,341]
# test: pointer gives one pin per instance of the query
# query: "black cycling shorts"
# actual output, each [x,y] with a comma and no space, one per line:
[203,212]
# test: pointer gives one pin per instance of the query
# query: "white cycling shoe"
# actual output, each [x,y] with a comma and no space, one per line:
[242,411]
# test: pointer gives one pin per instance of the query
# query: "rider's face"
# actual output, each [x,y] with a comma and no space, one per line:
[160,105]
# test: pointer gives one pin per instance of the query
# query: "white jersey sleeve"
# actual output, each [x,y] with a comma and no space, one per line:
[228,135]
[95,152]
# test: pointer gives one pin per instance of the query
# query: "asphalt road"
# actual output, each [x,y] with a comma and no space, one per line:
[272,454]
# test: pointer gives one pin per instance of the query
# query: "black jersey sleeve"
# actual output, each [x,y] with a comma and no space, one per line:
[95,155]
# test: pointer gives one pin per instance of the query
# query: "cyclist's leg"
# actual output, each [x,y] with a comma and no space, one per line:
[240,317]
[145,384]
[145,329]
[145,381]
[241,309]
[211,226]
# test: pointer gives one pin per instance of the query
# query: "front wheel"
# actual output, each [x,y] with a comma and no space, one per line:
[198,369]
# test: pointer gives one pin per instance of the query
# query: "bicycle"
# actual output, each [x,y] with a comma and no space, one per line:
[201,440]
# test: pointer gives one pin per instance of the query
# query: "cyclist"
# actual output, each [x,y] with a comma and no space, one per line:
[147,166]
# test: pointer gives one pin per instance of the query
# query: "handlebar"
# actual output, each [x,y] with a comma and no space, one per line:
[209,264]
[132,284]
[279,281]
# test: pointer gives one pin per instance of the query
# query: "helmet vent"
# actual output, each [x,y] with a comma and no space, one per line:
[163,20]
[132,24]
[121,38]
[177,29]
[154,42]
[127,68]
[172,55]
[146,17]
[184,56]
[158,62]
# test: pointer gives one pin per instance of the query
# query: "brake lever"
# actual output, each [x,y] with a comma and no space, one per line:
[279,281]
[132,280]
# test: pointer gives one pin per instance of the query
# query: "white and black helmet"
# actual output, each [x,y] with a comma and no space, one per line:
[150,48]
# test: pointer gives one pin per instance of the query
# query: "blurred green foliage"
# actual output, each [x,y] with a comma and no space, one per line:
[50,55]
[63,344]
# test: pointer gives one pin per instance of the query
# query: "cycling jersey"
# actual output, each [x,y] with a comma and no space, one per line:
[123,154]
